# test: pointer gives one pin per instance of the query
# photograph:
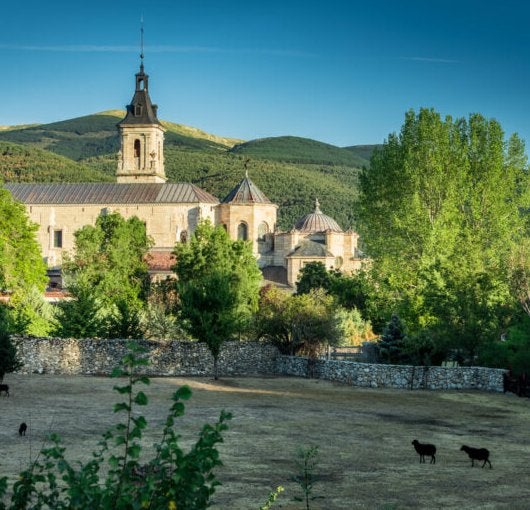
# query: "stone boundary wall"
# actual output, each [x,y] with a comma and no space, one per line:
[185,358]
[167,358]
[394,376]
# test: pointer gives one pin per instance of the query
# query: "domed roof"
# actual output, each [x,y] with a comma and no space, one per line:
[246,192]
[317,222]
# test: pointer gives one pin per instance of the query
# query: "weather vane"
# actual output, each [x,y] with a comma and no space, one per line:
[142,39]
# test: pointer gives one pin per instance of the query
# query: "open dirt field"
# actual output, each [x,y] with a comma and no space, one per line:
[364,435]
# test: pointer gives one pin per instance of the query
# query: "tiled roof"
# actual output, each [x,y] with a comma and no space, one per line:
[110,193]
[160,260]
[246,192]
[317,222]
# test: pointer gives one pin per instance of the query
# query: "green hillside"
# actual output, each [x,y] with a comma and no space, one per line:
[293,149]
[291,171]
[21,163]
[362,151]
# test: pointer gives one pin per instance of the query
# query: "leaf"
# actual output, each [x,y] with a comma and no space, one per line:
[141,399]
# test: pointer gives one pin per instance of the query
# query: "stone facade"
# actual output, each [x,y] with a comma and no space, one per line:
[184,358]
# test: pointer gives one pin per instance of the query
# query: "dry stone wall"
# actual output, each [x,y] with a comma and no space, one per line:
[394,376]
[184,358]
[172,358]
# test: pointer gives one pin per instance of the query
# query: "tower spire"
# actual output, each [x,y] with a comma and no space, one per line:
[142,43]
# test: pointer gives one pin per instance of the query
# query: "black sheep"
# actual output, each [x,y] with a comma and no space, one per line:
[4,388]
[425,449]
[477,454]
[22,429]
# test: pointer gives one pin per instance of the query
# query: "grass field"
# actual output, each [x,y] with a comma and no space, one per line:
[364,437]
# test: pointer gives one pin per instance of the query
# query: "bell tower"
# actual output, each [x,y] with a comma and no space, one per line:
[141,156]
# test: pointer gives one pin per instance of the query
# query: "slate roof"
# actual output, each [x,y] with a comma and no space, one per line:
[246,192]
[317,221]
[110,193]
[147,110]
[310,249]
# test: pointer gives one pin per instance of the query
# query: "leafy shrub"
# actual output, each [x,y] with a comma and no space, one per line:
[116,478]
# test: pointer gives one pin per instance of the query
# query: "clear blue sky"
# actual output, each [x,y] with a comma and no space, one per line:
[342,72]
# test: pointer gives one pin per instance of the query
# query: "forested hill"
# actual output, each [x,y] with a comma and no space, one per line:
[291,171]
[293,149]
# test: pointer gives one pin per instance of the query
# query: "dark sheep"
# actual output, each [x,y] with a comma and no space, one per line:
[425,449]
[4,388]
[477,454]
[22,429]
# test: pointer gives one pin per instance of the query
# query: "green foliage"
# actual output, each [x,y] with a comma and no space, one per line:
[313,275]
[353,329]
[23,163]
[511,350]
[273,496]
[297,324]
[107,277]
[306,464]
[440,215]
[218,284]
[31,314]
[9,360]
[293,149]
[21,265]
[115,478]
[391,344]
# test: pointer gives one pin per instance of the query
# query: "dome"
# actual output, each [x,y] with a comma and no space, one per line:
[317,222]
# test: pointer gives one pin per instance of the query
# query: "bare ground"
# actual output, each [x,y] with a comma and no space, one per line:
[364,436]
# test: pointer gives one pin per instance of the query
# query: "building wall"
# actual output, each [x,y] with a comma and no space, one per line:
[164,222]
[232,215]
[149,166]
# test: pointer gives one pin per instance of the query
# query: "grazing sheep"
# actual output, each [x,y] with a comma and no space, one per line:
[425,449]
[477,454]
[22,429]
[4,388]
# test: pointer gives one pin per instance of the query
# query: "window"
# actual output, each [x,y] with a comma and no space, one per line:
[242,231]
[263,229]
[137,148]
[57,238]
[138,110]
[184,236]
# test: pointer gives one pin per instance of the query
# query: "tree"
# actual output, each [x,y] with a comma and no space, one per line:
[298,324]
[21,264]
[439,209]
[9,361]
[107,277]
[313,275]
[218,283]
[391,345]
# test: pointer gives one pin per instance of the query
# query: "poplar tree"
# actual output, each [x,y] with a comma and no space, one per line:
[440,213]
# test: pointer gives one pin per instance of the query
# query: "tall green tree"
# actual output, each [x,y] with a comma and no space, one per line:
[21,264]
[108,275]
[440,213]
[218,282]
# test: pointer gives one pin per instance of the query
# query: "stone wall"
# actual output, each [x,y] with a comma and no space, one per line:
[174,358]
[394,376]
[184,358]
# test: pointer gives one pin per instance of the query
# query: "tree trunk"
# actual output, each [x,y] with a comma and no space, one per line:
[215,368]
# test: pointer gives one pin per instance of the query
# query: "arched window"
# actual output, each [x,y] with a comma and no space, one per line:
[224,226]
[184,236]
[263,229]
[137,148]
[242,231]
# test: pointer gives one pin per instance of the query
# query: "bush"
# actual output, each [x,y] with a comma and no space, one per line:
[171,479]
